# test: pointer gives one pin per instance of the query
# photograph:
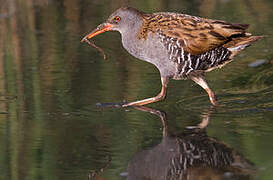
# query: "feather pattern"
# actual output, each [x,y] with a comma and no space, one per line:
[195,43]
[187,63]
[198,34]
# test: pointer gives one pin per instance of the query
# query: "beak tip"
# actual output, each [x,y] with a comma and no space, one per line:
[100,29]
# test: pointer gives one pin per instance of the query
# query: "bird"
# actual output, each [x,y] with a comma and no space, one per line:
[181,46]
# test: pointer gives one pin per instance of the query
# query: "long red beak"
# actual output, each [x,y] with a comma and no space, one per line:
[100,29]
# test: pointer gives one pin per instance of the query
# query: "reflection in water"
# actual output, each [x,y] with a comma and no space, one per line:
[189,155]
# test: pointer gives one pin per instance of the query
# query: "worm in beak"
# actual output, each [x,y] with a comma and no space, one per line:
[100,29]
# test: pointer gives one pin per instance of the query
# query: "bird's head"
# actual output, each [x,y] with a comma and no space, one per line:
[122,20]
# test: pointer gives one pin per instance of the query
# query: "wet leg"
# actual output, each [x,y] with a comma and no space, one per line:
[160,96]
[202,82]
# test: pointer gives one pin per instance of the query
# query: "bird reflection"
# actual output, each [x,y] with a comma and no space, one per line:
[188,156]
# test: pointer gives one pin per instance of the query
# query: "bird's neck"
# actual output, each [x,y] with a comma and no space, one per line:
[130,39]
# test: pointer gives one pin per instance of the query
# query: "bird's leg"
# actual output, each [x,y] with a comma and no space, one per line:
[202,82]
[160,96]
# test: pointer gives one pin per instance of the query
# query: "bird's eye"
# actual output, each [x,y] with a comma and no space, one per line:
[116,19]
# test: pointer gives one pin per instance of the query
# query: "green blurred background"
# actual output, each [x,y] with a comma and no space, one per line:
[50,127]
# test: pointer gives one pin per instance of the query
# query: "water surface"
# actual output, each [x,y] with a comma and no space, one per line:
[50,127]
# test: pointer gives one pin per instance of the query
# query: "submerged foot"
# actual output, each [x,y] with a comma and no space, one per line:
[111,105]
[213,100]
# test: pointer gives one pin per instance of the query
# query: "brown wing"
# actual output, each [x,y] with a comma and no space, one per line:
[196,35]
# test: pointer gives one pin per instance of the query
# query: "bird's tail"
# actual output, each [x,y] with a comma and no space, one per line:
[239,43]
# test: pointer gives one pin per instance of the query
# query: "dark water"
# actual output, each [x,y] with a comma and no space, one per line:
[50,127]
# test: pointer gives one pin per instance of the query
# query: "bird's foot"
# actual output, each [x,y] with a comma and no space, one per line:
[130,104]
[145,101]
[121,105]
[213,99]
[214,102]
[111,105]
